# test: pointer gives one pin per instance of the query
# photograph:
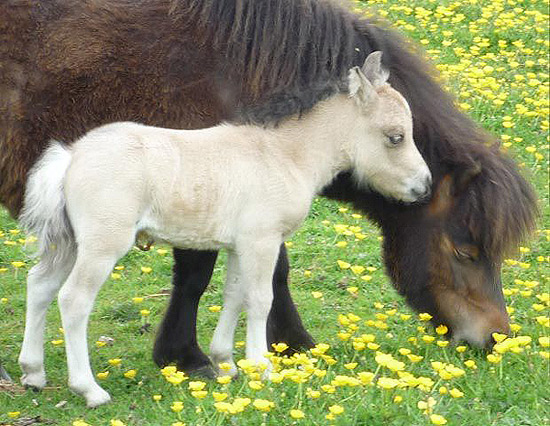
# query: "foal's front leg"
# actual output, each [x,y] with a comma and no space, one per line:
[257,262]
[221,348]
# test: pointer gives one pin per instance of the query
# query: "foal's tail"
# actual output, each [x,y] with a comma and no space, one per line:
[43,213]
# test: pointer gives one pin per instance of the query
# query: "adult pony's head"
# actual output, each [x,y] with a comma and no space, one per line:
[383,153]
[445,256]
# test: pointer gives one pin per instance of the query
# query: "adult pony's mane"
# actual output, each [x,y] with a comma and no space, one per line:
[294,53]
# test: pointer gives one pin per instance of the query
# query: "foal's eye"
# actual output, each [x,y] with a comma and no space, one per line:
[396,139]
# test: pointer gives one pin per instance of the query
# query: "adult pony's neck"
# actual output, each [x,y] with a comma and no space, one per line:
[284,55]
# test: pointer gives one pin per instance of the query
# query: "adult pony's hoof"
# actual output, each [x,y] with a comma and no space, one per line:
[4,374]
[202,372]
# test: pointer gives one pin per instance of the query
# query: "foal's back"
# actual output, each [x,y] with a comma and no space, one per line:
[192,188]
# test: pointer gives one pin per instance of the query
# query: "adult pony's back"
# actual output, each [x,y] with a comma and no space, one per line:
[67,66]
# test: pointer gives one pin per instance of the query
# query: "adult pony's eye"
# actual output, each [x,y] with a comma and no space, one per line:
[396,139]
[470,254]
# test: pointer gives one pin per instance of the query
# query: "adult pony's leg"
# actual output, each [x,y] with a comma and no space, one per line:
[43,282]
[177,337]
[284,323]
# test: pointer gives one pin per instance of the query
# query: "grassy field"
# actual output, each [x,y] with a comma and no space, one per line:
[493,55]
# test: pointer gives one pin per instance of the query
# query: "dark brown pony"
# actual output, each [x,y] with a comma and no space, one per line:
[67,66]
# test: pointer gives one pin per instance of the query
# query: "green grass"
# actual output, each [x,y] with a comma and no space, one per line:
[476,47]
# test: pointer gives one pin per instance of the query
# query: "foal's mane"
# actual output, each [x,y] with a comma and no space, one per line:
[290,54]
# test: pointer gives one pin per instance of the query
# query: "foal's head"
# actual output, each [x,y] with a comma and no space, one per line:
[383,152]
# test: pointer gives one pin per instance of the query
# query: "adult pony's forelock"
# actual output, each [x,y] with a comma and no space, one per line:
[498,206]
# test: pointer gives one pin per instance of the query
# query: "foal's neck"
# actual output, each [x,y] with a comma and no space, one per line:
[322,138]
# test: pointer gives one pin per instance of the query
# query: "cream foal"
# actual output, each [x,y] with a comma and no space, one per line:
[243,188]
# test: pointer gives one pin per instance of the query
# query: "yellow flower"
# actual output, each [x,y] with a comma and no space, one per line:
[441,329]
[137,300]
[455,393]
[436,419]
[57,342]
[145,312]
[219,396]
[316,294]
[146,269]
[428,339]
[424,316]
[115,276]
[280,347]
[461,349]
[17,264]
[223,380]
[544,341]
[255,384]
[263,405]
[103,375]
[130,374]
[313,394]
[336,409]
[494,358]
[177,406]
[443,390]
[14,414]
[199,394]
[357,270]
[442,343]
[297,414]
[397,399]
[341,244]
[352,290]
[196,385]
[415,358]
[470,364]
[342,264]
[157,398]
[387,382]
[215,308]
[115,361]
[350,365]
[115,422]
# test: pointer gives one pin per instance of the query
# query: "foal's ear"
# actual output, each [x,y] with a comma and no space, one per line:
[360,88]
[374,70]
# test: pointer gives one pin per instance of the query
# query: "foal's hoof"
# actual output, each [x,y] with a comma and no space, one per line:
[35,382]
[97,397]
[202,372]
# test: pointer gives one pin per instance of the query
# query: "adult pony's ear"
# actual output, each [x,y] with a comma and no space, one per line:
[360,88]
[442,199]
[467,176]
[374,70]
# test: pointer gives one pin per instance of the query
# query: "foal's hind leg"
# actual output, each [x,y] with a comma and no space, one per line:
[43,282]
[93,264]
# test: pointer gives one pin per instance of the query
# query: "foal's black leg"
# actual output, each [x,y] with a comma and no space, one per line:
[284,323]
[177,337]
